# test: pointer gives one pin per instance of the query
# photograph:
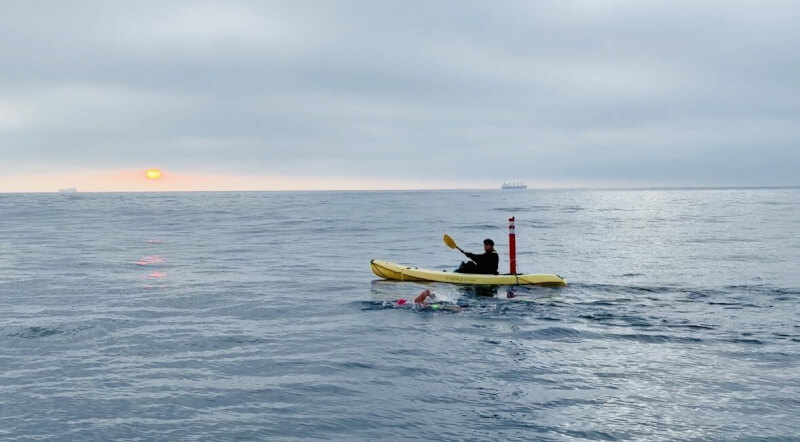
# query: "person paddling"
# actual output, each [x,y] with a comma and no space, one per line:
[484,264]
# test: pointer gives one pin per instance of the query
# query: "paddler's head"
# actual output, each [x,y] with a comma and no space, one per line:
[488,245]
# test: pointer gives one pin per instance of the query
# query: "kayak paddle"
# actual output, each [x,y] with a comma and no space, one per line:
[451,243]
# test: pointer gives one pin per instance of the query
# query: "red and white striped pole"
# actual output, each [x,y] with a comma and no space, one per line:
[512,247]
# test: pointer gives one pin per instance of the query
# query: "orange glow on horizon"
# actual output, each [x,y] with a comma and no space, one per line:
[153,174]
[130,180]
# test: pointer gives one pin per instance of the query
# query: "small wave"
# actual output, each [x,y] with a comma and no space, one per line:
[549,318]
[764,289]
[696,294]
[558,333]
[746,341]
[236,340]
[372,305]
[589,435]
[703,293]
[483,227]
[622,320]
[149,260]
[613,288]
[35,332]
[693,326]
[721,240]
[355,365]
[536,224]
[605,302]
[515,209]
[656,339]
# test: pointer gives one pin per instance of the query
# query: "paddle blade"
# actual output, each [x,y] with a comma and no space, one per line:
[449,241]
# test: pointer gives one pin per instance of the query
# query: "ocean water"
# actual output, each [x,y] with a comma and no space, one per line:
[254,316]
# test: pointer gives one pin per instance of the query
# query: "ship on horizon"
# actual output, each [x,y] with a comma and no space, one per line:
[512,186]
[68,190]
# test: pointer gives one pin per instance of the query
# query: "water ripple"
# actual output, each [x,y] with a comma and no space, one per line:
[254,316]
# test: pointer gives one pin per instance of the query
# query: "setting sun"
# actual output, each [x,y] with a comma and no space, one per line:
[153,174]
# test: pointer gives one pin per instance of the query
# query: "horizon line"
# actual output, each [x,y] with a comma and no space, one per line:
[77,191]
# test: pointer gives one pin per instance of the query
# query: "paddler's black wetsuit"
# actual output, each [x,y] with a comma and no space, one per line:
[485,263]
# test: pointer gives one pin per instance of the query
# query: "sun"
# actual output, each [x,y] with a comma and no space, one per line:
[153,174]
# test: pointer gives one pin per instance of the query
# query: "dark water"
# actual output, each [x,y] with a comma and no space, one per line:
[254,316]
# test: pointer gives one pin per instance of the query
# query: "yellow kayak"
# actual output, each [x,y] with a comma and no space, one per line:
[397,272]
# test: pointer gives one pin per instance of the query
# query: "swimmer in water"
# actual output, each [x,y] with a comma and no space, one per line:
[426,299]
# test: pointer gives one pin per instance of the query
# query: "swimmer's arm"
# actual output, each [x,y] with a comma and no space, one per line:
[420,299]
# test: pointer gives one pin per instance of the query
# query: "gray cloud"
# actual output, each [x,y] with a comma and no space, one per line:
[660,92]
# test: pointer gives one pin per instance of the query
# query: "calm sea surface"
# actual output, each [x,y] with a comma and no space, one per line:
[254,316]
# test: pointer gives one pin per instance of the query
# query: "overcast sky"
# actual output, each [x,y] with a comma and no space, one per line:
[398,94]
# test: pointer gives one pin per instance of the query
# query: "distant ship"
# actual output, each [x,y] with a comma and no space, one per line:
[68,190]
[511,186]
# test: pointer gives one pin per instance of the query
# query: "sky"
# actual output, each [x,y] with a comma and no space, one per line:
[240,95]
